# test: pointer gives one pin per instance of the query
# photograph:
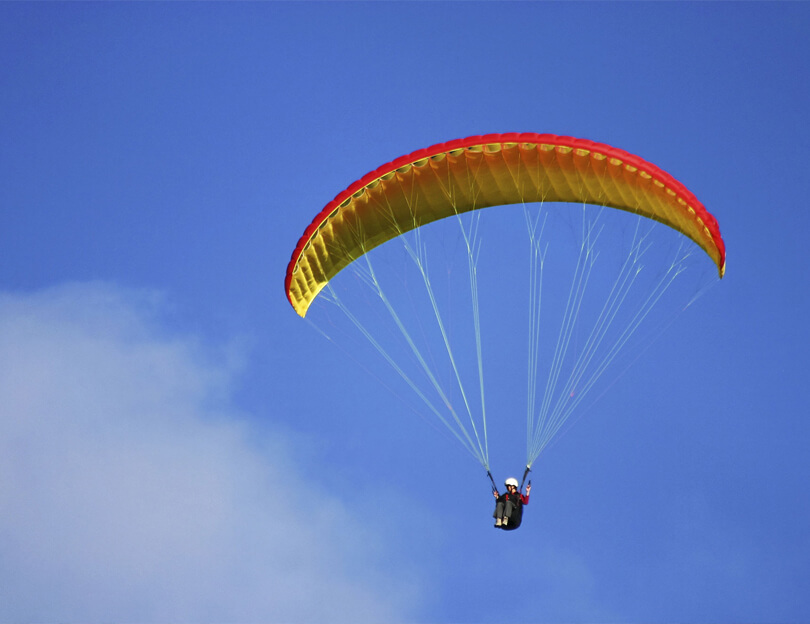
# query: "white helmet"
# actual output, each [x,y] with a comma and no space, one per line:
[511,481]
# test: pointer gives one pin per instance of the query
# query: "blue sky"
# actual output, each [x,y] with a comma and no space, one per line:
[177,444]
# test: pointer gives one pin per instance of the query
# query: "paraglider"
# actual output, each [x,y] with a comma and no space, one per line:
[509,505]
[459,178]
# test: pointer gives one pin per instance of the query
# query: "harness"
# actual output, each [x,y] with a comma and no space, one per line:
[516,499]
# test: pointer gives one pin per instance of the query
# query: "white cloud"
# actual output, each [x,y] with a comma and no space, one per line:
[131,490]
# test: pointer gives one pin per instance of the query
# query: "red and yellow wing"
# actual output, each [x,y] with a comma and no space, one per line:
[482,171]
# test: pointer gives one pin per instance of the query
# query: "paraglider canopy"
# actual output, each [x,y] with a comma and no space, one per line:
[482,171]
